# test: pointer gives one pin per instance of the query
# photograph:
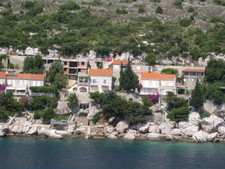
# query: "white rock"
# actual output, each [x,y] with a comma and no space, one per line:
[212,136]
[122,126]
[63,133]
[194,117]
[190,130]
[115,133]
[92,111]
[71,128]
[166,127]
[109,129]
[144,128]
[211,123]
[221,130]
[111,119]
[154,136]
[53,134]
[111,136]
[130,135]
[153,129]
[200,136]
[17,129]
[176,132]
[32,130]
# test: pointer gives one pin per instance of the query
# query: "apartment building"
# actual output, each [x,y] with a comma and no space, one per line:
[153,83]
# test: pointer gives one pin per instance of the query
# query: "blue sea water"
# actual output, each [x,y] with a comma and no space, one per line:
[78,153]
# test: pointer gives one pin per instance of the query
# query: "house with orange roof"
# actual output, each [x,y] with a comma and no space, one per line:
[153,83]
[100,80]
[19,83]
[191,76]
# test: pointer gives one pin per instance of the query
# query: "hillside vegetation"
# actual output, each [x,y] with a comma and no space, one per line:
[163,28]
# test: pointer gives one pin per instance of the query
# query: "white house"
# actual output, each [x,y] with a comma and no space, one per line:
[100,80]
[117,66]
[19,84]
[191,76]
[153,83]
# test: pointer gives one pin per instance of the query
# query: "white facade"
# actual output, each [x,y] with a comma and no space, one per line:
[159,85]
[19,84]
[100,83]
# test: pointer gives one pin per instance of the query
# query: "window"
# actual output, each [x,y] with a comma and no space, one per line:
[82,63]
[104,81]
[94,81]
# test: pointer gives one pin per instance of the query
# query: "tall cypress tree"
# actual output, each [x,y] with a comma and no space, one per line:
[197,97]
[128,79]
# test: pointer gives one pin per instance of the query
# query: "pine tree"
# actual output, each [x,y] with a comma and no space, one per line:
[128,79]
[197,97]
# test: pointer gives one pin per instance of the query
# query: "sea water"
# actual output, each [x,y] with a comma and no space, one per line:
[79,153]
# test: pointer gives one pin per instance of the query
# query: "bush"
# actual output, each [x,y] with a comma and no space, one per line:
[72,98]
[185,22]
[191,9]
[48,114]
[146,101]
[121,11]
[44,89]
[96,118]
[70,6]
[170,71]
[61,117]
[159,10]
[204,114]
[178,3]
[137,119]
[179,114]
[37,115]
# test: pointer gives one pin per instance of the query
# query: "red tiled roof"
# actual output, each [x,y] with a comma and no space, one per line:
[22,76]
[194,70]
[160,76]
[120,62]
[2,75]
[100,72]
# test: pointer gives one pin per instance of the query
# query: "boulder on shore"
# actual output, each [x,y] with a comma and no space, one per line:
[130,135]
[122,126]
[210,124]
[200,136]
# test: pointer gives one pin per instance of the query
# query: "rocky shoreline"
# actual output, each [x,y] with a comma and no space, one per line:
[210,129]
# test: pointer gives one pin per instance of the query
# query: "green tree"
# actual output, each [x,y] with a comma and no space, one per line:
[150,59]
[48,114]
[33,65]
[179,114]
[55,68]
[128,79]
[159,10]
[73,100]
[146,101]
[174,101]
[197,97]
[60,81]
[170,71]
[215,71]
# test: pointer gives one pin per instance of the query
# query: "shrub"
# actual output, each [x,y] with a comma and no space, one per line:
[204,114]
[121,11]
[48,114]
[37,115]
[96,118]
[72,98]
[191,9]
[170,71]
[146,101]
[159,10]
[179,114]
[70,6]
[185,22]
[44,89]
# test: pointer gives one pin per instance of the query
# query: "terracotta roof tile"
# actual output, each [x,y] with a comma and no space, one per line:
[100,72]
[160,76]
[22,76]
[119,62]
[194,70]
